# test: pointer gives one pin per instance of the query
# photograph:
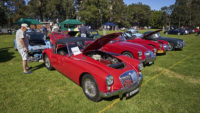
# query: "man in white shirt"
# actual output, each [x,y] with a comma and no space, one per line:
[22,46]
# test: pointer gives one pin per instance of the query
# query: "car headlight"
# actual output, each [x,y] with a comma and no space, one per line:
[140,66]
[178,42]
[147,53]
[139,53]
[109,80]
[165,46]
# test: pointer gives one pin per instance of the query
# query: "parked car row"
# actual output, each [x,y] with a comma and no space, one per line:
[107,66]
[180,31]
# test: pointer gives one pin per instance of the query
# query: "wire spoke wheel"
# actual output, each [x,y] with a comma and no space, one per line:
[90,88]
[47,63]
[128,54]
[170,47]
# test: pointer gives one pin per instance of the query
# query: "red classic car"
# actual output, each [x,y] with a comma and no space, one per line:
[133,50]
[161,47]
[56,36]
[100,74]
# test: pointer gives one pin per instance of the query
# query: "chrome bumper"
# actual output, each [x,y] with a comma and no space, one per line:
[148,60]
[122,91]
[180,45]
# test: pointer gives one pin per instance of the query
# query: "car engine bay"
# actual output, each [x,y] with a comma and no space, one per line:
[106,59]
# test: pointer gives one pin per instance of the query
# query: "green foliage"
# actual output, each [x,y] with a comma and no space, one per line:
[183,13]
[156,19]
[97,12]
[51,9]
[139,14]
[4,18]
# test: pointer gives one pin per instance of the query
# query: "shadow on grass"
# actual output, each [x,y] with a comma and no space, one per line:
[38,67]
[116,97]
[161,54]
[178,49]
[5,55]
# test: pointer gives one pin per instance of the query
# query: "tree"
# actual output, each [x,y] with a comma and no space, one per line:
[195,12]
[166,16]
[155,20]
[139,14]
[117,11]
[4,18]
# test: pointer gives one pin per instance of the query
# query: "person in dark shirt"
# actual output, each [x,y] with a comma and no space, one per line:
[44,30]
[83,30]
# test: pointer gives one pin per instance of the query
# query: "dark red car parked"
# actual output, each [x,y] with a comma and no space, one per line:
[161,47]
[120,46]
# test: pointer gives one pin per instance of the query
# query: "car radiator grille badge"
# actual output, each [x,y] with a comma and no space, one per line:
[129,79]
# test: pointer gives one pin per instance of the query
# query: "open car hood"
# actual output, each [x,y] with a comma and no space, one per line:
[97,44]
[149,34]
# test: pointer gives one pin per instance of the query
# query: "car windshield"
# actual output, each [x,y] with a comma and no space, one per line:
[76,47]
[133,31]
[35,36]
[156,35]
[129,35]
[122,38]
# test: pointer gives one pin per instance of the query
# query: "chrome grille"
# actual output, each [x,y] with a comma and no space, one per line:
[129,78]
[149,55]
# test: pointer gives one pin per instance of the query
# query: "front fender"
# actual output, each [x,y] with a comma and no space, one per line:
[133,62]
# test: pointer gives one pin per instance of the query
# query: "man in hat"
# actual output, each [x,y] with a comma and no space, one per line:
[22,46]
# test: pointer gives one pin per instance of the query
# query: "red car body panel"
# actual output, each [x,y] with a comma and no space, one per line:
[56,36]
[75,66]
[156,44]
[148,42]
[120,47]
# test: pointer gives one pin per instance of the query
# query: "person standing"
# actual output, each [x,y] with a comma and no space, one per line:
[44,30]
[83,30]
[22,46]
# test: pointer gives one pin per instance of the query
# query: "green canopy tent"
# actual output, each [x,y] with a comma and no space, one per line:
[28,21]
[69,24]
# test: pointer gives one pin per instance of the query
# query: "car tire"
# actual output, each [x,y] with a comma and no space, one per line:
[128,54]
[170,47]
[90,88]
[47,63]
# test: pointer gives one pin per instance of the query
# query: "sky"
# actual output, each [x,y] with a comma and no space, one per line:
[154,4]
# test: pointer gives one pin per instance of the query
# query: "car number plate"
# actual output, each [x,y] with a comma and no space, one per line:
[160,51]
[133,92]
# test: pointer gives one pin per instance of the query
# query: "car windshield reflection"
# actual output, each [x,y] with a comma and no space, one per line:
[156,35]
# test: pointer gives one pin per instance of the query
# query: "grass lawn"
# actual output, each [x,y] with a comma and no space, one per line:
[177,90]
